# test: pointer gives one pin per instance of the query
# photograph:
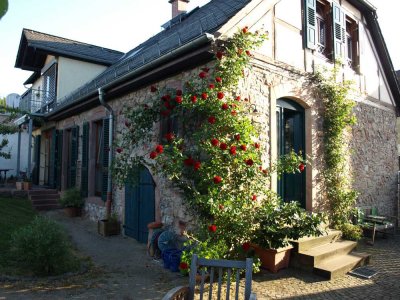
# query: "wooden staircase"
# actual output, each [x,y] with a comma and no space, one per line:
[327,255]
[44,199]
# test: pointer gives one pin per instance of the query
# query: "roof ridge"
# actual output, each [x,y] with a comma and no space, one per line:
[74,41]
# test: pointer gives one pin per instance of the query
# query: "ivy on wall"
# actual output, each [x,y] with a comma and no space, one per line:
[338,119]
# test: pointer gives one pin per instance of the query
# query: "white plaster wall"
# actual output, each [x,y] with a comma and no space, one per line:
[73,73]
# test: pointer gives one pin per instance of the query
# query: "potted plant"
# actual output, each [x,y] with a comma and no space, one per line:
[280,223]
[110,226]
[72,202]
[27,184]
[19,185]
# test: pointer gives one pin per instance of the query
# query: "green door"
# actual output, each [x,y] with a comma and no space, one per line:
[290,136]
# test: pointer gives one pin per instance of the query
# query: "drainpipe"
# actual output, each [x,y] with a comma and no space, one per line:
[30,148]
[110,152]
[19,153]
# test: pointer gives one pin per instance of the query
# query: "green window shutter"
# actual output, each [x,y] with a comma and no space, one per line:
[310,28]
[85,160]
[52,160]
[58,163]
[74,155]
[339,32]
[106,133]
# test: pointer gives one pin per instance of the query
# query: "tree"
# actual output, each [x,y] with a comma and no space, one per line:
[6,127]
[3,7]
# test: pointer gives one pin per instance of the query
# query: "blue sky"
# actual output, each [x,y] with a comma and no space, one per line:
[118,24]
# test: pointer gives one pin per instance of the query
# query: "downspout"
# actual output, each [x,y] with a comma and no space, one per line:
[110,152]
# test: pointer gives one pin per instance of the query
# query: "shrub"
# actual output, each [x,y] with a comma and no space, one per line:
[72,198]
[351,232]
[42,248]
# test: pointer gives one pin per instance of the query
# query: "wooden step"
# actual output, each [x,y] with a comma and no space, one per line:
[307,259]
[43,192]
[307,243]
[338,266]
[44,196]
[45,201]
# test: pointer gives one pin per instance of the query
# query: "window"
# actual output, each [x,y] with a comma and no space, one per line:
[352,44]
[323,32]
[330,32]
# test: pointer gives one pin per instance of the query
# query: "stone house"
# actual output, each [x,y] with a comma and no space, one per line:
[303,35]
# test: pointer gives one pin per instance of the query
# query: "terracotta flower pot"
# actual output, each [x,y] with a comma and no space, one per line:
[73,211]
[27,185]
[273,259]
[18,185]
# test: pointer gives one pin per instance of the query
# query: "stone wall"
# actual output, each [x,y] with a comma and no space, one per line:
[374,158]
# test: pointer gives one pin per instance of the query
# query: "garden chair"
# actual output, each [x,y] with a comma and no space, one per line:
[202,269]
[369,220]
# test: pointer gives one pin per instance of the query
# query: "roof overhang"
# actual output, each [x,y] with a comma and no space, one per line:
[369,11]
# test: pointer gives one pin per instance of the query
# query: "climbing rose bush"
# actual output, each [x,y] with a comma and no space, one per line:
[214,156]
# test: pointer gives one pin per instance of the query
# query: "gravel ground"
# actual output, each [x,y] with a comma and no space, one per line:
[122,270]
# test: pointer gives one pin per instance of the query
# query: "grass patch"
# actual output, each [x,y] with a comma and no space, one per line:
[31,244]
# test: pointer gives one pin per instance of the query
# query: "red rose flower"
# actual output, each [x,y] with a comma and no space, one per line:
[233,113]
[301,167]
[219,55]
[214,142]
[169,136]
[240,51]
[233,150]
[246,99]
[224,106]
[254,197]
[194,99]
[197,165]
[218,79]
[119,150]
[246,246]
[188,161]
[221,207]
[265,172]
[203,75]
[249,162]
[153,89]
[211,120]
[153,155]
[223,146]
[238,98]
[211,86]
[127,124]
[159,149]
[257,145]
[212,228]
[245,29]
[248,53]
[145,106]
[178,99]
[237,137]
[217,179]
[179,92]
[205,69]
[204,96]
[243,147]
[183,266]
[220,95]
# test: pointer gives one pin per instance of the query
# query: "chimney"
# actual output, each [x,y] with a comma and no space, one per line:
[178,7]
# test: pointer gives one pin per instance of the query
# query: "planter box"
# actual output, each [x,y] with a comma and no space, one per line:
[19,186]
[107,228]
[27,185]
[73,211]
[273,259]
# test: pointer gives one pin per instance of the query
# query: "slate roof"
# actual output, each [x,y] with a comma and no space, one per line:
[33,40]
[206,19]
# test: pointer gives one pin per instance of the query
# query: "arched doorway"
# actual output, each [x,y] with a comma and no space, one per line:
[139,205]
[291,135]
